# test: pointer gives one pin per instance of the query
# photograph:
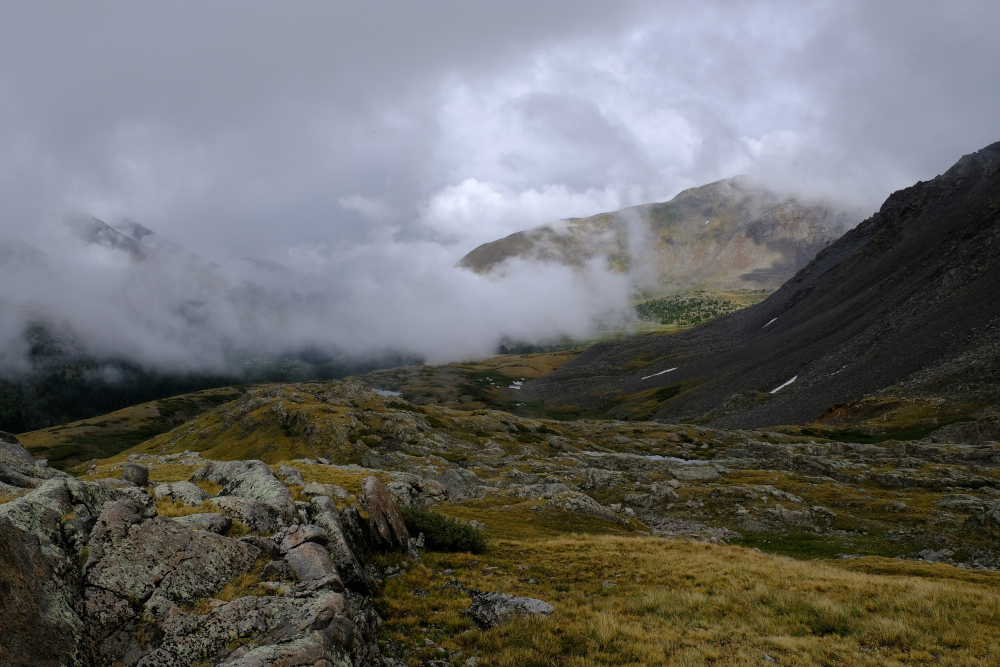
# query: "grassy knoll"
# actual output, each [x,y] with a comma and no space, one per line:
[101,437]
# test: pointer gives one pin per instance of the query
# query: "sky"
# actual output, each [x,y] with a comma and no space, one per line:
[365,147]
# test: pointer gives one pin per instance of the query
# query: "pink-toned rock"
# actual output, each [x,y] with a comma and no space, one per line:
[387,529]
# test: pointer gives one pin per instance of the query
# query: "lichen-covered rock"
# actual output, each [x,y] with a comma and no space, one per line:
[352,572]
[290,476]
[41,511]
[185,564]
[185,492]
[38,623]
[210,521]
[489,610]
[386,527]
[270,631]
[257,516]
[251,481]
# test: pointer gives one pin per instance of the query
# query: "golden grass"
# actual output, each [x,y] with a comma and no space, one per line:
[681,603]
[248,583]
[170,508]
[7,497]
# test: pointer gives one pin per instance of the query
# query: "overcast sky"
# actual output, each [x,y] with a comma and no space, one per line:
[381,134]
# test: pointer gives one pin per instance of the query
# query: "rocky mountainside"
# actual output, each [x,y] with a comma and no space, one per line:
[904,304]
[727,235]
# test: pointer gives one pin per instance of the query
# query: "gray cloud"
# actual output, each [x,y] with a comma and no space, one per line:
[367,146]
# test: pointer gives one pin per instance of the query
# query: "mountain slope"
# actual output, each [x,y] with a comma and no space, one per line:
[725,235]
[906,301]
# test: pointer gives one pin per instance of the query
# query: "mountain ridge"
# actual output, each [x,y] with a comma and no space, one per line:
[730,234]
[892,300]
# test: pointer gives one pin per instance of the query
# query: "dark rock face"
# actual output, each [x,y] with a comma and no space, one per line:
[489,610]
[37,626]
[906,300]
[136,473]
[387,529]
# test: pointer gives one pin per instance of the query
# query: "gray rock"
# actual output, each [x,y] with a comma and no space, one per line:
[251,481]
[274,631]
[290,476]
[268,548]
[352,572]
[386,527]
[297,535]
[276,570]
[311,562]
[136,473]
[316,489]
[931,556]
[598,478]
[185,564]
[41,511]
[256,516]
[185,492]
[489,610]
[210,521]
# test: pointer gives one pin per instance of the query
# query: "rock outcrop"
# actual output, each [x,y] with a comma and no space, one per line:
[91,574]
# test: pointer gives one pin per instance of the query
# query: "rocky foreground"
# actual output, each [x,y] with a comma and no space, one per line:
[165,556]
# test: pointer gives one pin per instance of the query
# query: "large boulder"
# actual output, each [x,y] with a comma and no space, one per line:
[316,630]
[352,572]
[387,530]
[131,559]
[256,516]
[489,610]
[252,481]
[136,473]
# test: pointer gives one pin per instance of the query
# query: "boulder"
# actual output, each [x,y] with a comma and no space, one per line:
[185,492]
[311,562]
[297,535]
[251,481]
[489,610]
[320,629]
[386,527]
[136,473]
[162,553]
[256,516]
[210,521]
[352,572]
[290,476]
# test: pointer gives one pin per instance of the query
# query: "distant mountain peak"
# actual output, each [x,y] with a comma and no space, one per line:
[730,234]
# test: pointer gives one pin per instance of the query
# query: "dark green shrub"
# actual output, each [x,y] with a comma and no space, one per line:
[435,422]
[442,533]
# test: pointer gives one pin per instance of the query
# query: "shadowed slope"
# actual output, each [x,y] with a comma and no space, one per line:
[908,298]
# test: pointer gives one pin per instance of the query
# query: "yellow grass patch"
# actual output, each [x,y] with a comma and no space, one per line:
[632,601]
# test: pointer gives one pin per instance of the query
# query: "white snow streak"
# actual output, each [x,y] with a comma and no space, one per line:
[660,373]
[769,323]
[777,389]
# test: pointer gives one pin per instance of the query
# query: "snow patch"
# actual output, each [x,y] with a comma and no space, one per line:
[777,389]
[769,323]
[660,373]
[386,392]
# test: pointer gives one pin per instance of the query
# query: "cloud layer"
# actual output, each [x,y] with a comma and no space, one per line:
[366,147]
